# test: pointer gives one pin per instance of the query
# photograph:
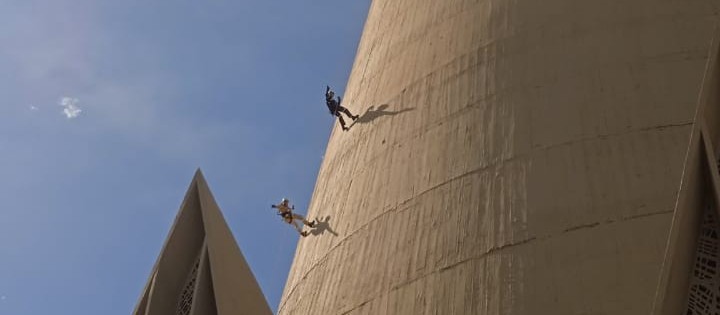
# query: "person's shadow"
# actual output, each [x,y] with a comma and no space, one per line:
[372,114]
[322,225]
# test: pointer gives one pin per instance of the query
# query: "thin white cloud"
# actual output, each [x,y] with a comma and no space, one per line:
[33,107]
[71,110]
[3,297]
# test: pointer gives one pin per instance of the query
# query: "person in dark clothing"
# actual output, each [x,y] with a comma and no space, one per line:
[335,107]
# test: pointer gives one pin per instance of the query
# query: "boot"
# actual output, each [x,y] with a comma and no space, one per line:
[311,223]
[304,233]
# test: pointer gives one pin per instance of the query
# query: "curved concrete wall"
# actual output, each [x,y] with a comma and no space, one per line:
[514,157]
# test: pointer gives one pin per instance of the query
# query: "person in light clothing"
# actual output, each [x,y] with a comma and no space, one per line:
[285,210]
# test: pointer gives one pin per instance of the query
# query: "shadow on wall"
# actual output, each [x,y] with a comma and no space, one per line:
[322,225]
[372,114]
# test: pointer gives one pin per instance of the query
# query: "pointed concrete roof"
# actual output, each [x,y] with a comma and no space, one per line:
[200,269]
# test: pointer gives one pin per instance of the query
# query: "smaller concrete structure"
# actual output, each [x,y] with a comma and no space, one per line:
[200,270]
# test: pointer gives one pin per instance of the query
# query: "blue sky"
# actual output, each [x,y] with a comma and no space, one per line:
[108,107]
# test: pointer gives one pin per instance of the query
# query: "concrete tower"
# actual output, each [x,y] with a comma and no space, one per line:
[521,157]
[200,270]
